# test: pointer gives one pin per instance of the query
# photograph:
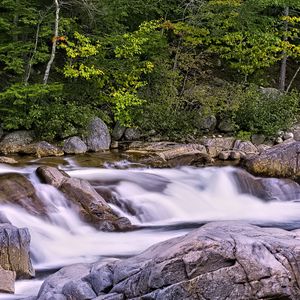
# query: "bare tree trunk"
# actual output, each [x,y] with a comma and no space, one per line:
[282,77]
[54,40]
[292,80]
[29,66]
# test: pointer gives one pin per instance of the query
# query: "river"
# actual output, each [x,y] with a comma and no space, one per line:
[162,203]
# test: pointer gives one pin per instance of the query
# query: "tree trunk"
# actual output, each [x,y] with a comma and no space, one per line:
[54,42]
[282,77]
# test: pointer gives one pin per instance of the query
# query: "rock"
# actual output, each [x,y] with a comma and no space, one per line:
[262,147]
[220,260]
[279,140]
[266,188]
[225,143]
[258,139]
[288,135]
[213,151]
[54,284]
[226,126]
[132,134]
[207,123]
[7,160]
[98,137]
[296,131]
[44,149]
[118,131]
[247,147]
[74,145]
[114,145]
[235,155]
[92,207]
[14,141]
[281,160]
[18,190]
[224,155]
[14,250]
[7,282]
[79,290]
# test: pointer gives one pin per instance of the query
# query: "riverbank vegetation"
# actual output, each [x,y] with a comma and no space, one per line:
[157,65]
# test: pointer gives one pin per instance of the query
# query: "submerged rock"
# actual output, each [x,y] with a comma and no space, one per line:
[91,206]
[98,136]
[281,160]
[221,260]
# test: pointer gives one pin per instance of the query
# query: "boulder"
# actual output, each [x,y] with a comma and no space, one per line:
[14,251]
[14,141]
[7,160]
[208,123]
[281,160]
[266,188]
[18,190]
[132,134]
[7,282]
[220,260]
[245,146]
[98,136]
[74,145]
[226,126]
[118,131]
[288,135]
[257,139]
[224,143]
[224,155]
[44,149]
[91,206]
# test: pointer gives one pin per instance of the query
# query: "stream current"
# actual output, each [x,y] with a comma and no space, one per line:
[162,203]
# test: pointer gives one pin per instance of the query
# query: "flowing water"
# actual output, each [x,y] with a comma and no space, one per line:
[163,203]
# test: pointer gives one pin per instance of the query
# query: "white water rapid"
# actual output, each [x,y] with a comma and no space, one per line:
[164,202]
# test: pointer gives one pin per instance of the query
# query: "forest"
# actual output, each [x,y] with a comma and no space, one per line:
[162,66]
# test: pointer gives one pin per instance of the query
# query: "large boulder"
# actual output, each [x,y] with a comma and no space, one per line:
[18,190]
[14,141]
[14,251]
[221,260]
[98,136]
[281,160]
[132,134]
[90,205]
[266,188]
[74,145]
[208,123]
[118,131]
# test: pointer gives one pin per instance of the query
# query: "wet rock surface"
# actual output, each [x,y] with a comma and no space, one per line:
[220,260]
[74,145]
[14,252]
[281,160]
[90,205]
[18,190]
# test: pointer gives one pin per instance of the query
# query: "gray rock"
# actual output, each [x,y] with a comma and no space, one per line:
[7,282]
[54,284]
[118,131]
[262,147]
[281,160]
[98,136]
[91,206]
[224,155]
[14,141]
[74,145]
[132,134]
[78,290]
[207,123]
[258,139]
[288,135]
[14,249]
[235,155]
[247,147]
[224,143]
[226,125]
[279,140]
[220,260]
